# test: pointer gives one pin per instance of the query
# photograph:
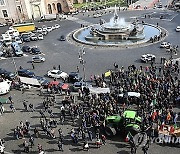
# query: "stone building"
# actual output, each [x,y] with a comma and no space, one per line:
[12,11]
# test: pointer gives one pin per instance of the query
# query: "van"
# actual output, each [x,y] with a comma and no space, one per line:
[48,17]
[6,39]
[17,49]
[12,32]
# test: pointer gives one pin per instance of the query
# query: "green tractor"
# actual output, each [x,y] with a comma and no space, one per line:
[128,122]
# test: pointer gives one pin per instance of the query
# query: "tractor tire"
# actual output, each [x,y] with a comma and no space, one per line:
[110,131]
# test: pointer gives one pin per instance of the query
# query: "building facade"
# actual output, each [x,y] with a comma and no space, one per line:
[12,10]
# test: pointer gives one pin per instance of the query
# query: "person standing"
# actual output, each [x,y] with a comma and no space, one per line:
[25,105]
[60,145]
[33,67]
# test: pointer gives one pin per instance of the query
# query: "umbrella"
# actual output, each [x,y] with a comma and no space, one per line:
[52,83]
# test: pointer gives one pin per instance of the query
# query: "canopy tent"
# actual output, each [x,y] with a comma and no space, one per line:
[30,81]
[132,94]
[98,90]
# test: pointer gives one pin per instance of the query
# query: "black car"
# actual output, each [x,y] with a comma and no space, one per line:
[26,48]
[62,38]
[43,81]
[2,72]
[74,77]
[26,73]
[25,38]
[35,51]
[9,75]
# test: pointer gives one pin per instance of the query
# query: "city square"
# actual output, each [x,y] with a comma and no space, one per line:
[96,61]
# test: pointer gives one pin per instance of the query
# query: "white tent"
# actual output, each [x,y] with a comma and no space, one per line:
[98,90]
[133,94]
[5,87]
[30,81]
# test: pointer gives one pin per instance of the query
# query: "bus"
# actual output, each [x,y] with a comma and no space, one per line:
[26,27]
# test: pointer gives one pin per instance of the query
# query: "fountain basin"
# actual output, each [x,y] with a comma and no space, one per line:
[84,36]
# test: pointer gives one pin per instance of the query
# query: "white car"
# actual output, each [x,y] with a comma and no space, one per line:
[38,59]
[165,45]
[40,37]
[18,40]
[178,29]
[57,26]
[53,27]
[57,74]
[148,57]
[39,30]
[49,29]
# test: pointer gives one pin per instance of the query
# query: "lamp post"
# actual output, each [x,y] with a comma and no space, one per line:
[82,61]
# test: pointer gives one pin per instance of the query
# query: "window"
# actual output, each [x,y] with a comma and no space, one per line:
[54,6]
[2,2]
[19,9]
[5,14]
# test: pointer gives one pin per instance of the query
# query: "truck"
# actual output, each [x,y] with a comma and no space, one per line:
[128,122]
[48,17]
[25,27]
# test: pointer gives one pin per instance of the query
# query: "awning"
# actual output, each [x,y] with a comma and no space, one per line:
[98,90]
[132,94]
[30,81]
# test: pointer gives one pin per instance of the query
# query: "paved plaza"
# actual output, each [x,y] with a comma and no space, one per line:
[98,61]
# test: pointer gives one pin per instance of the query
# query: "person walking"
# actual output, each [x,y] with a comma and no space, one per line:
[60,145]
[31,140]
[25,105]
[33,67]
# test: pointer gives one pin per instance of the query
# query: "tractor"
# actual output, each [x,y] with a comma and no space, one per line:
[128,122]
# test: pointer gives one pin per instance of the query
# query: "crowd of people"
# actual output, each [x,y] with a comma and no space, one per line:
[159,88]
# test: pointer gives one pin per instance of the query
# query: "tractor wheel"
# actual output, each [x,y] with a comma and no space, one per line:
[110,131]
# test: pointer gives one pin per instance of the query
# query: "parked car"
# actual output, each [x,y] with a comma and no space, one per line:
[40,37]
[25,38]
[74,77]
[165,45]
[18,40]
[49,29]
[44,32]
[17,49]
[57,26]
[9,75]
[178,29]
[2,72]
[79,85]
[62,38]
[148,57]
[35,51]
[43,81]
[39,30]
[33,37]
[38,59]
[26,73]
[26,48]
[57,74]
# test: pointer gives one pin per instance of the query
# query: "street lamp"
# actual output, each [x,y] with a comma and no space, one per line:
[82,61]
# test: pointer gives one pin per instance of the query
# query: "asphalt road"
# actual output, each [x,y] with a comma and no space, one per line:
[98,61]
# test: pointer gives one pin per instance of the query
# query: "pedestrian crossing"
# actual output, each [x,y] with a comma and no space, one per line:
[77,20]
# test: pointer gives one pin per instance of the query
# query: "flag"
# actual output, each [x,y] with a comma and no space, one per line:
[128,137]
[108,73]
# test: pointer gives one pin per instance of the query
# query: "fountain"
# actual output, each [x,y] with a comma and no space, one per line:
[116,32]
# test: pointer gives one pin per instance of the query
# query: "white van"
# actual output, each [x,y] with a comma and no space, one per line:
[5,87]
[12,32]
[6,39]
[49,17]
